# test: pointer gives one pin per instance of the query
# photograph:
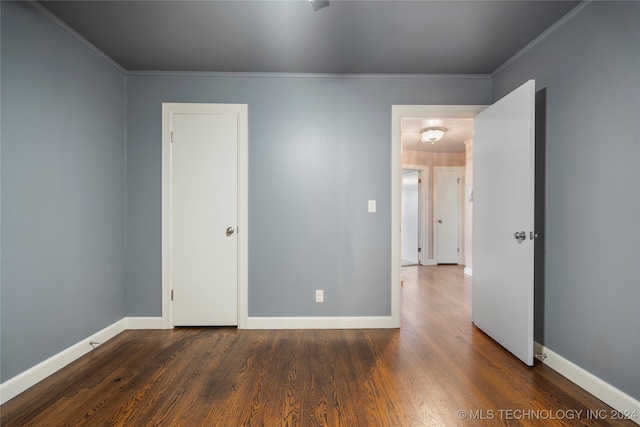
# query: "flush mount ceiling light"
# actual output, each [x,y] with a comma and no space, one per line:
[432,134]
[318,4]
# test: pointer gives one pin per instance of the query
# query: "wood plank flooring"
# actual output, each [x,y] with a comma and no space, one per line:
[437,370]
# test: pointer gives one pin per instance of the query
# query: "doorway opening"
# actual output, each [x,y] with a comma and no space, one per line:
[503,275]
[408,121]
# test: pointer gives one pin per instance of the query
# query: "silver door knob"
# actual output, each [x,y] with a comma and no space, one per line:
[230,231]
[520,236]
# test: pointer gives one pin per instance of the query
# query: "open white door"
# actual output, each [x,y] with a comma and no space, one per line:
[504,149]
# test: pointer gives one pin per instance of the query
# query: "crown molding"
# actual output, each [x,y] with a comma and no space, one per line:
[552,29]
[237,74]
[46,12]
[360,76]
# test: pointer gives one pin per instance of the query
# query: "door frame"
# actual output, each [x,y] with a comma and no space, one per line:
[424,216]
[241,112]
[419,213]
[460,219]
[397,113]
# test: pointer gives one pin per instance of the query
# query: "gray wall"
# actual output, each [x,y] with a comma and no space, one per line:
[591,69]
[319,148]
[63,190]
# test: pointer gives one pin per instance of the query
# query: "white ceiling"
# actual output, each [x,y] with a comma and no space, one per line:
[459,130]
[287,36]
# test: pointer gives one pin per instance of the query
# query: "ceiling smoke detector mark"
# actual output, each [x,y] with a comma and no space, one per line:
[318,4]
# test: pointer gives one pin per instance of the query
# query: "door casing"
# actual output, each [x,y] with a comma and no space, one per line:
[241,111]
[408,236]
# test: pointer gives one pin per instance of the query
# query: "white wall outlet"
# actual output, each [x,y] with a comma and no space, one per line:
[319,295]
[372,206]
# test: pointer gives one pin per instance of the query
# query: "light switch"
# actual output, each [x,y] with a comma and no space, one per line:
[372,206]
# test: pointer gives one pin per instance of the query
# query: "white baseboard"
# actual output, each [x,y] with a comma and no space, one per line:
[373,322]
[468,271]
[604,391]
[16,385]
[430,262]
[21,382]
[144,322]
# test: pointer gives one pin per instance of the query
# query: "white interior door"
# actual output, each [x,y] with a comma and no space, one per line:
[503,201]
[410,216]
[204,218]
[446,182]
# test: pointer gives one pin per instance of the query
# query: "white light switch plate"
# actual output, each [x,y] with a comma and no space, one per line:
[372,206]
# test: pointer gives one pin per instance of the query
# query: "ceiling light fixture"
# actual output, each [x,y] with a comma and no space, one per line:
[318,4]
[432,134]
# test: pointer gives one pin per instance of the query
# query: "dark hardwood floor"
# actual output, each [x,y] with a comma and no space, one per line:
[437,370]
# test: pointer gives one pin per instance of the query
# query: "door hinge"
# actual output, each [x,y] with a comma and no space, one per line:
[458,180]
[419,249]
[458,249]
[172,137]
[419,181]
[171,294]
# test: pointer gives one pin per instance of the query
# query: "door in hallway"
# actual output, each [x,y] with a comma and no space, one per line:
[447,200]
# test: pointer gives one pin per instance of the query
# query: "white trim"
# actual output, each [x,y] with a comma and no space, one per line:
[21,382]
[423,209]
[396,213]
[430,262]
[397,113]
[127,72]
[604,391]
[166,220]
[535,42]
[243,217]
[468,271]
[370,76]
[382,322]
[53,18]
[241,110]
[144,323]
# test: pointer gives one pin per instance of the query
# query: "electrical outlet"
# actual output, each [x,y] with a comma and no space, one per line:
[319,295]
[372,206]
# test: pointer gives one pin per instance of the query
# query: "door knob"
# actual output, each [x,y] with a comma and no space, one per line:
[440,221]
[230,231]
[520,236]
